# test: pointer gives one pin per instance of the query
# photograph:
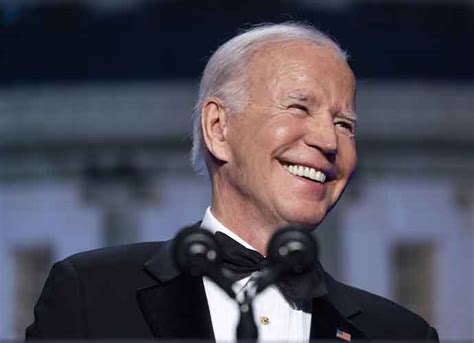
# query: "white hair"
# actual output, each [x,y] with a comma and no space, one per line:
[226,74]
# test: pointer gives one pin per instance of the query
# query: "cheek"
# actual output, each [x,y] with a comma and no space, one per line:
[281,132]
[284,132]
[348,156]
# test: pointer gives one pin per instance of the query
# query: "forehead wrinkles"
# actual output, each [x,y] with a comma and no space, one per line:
[269,69]
[288,80]
[303,67]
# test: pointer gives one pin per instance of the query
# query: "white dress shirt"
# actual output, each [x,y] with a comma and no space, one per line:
[276,318]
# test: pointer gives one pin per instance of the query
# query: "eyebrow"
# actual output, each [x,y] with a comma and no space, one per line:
[301,97]
[305,97]
[348,115]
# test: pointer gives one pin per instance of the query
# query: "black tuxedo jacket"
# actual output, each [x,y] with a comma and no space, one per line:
[135,291]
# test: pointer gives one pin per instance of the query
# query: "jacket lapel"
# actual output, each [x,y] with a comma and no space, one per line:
[175,307]
[334,312]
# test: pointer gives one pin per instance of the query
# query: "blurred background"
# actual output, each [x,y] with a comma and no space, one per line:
[95,104]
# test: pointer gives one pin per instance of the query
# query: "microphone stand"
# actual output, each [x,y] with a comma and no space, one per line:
[246,329]
[290,250]
[196,253]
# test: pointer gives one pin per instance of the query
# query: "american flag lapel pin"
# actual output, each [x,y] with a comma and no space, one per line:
[343,335]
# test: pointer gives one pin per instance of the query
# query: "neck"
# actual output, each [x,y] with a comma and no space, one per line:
[243,218]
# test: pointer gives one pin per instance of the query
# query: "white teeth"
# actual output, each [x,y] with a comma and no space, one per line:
[320,176]
[307,172]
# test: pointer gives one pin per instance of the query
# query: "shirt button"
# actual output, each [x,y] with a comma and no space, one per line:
[264,320]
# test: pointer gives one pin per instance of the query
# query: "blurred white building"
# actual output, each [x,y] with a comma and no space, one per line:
[84,166]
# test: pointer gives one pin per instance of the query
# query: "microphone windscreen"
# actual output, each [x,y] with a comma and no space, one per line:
[194,250]
[294,248]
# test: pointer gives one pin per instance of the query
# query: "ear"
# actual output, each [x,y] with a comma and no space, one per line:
[214,121]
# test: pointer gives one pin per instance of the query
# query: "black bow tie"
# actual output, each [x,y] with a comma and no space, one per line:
[240,262]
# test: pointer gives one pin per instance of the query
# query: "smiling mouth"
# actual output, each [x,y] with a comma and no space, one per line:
[306,172]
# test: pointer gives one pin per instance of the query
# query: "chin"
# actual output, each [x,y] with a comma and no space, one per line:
[310,218]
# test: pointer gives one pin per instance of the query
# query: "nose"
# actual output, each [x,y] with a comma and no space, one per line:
[321,134]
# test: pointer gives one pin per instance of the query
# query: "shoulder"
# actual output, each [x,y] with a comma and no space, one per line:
[123,255]
[120,266]
[88,286]
[373,304]
[383,317]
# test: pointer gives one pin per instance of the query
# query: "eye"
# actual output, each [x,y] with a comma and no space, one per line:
[299,109]
[346,126]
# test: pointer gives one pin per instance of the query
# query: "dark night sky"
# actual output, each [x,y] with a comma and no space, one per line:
[72,42]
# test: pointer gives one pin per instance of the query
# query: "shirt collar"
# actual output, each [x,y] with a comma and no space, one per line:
[211,223]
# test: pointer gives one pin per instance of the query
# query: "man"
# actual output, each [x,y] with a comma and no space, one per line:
[275,129]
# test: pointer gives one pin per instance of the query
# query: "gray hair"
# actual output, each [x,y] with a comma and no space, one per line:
[225,74]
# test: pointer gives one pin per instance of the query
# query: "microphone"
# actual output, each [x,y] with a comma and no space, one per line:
[196,253]
[294,248]
[291,251]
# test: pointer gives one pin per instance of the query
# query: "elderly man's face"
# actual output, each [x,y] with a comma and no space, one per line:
[293,148]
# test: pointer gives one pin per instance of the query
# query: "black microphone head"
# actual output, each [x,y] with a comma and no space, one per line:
[294,249]
[195,251]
